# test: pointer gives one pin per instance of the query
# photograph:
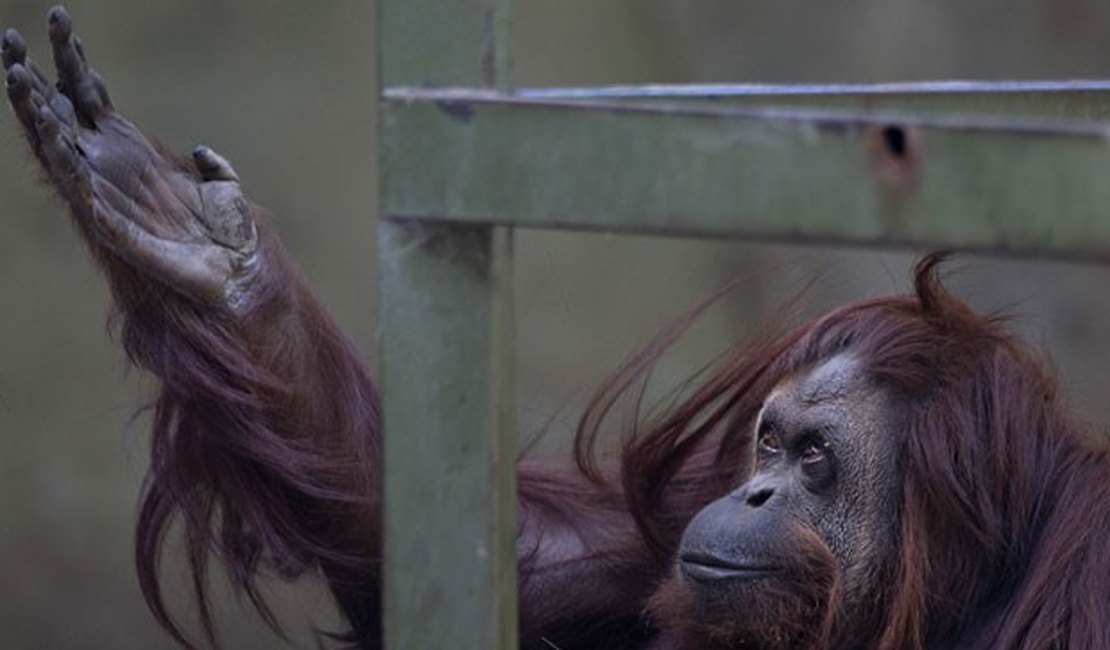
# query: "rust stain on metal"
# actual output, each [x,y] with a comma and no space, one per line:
[458,110]
[897,155]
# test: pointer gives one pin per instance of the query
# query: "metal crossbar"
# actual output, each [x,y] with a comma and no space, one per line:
[1013,167]
[1004,184]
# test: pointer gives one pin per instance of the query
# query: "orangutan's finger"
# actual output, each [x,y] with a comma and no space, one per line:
[212,166]
[64,162]
[13,49]
[25,101]
[75,79]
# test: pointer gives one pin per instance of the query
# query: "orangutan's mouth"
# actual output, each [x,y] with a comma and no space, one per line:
[708,568]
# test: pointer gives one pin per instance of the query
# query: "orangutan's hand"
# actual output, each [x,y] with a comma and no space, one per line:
[185,224]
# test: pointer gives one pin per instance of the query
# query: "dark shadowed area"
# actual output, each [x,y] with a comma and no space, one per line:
[286,91]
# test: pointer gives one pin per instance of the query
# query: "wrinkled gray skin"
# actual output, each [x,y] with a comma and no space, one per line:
[188,224]
[848,495]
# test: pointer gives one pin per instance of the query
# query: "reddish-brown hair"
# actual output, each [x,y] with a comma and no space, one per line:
[1004,516]
[265,443]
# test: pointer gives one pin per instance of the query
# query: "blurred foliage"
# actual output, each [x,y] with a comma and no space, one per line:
[286,91]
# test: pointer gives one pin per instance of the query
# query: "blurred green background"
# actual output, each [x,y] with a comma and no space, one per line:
[286,91]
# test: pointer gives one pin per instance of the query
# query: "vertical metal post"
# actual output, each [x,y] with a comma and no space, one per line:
[446,371]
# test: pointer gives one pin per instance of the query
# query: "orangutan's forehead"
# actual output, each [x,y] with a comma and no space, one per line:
[837,399]
[829,381]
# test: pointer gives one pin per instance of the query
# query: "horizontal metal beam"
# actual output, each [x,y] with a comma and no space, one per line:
[1072,100]
[714,169]
[718,90]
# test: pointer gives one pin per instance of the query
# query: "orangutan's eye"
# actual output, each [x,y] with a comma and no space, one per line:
[815,459]
[812,450]
[769,440]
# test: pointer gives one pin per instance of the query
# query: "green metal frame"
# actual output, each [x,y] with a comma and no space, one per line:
[446,371]
[464,158]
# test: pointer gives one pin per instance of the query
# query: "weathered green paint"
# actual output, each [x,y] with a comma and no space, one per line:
[450,579]
[717,170]
[446,341]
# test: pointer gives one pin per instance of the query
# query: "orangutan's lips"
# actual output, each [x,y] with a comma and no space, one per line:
[708,568]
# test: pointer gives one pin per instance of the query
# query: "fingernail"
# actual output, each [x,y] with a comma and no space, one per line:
[13,46]
[16,76]
[56,13]
[60,25]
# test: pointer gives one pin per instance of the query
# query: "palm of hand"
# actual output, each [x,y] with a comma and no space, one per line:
[186,225]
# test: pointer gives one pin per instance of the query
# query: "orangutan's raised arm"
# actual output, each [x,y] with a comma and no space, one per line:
[265,432]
